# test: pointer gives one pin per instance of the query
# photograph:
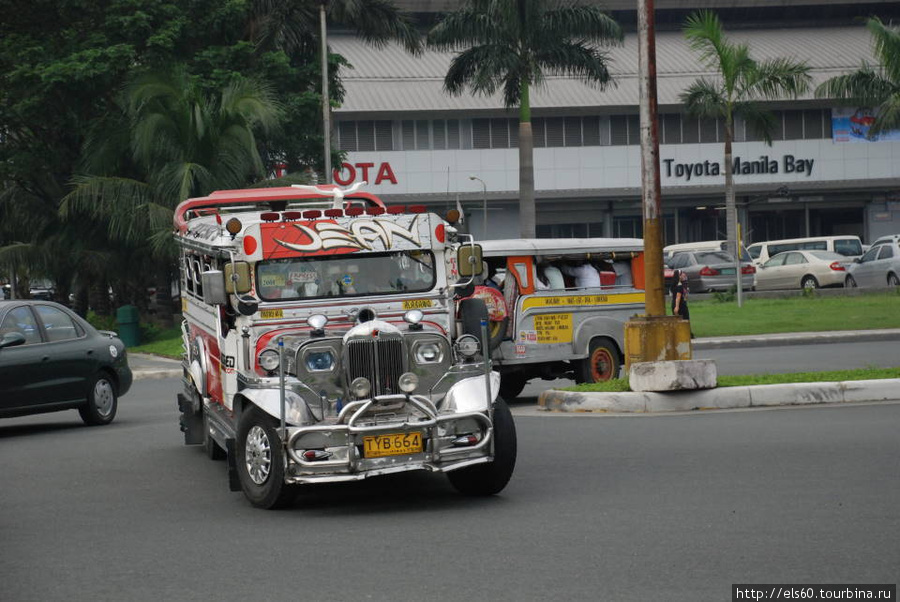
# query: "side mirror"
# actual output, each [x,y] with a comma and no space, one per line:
[469,260]
[213,287]
[237,277]
[11,339]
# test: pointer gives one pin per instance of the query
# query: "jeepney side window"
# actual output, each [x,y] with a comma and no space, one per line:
[186,279]
[196,270]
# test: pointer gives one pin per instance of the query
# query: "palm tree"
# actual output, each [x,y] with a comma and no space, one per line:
[877,86]
[510,44]
[739,86]
[171,142]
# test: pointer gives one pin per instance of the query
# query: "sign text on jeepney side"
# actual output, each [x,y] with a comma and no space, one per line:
[553,328]
[569,300]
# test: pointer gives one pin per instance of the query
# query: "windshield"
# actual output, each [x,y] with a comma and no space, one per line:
[345,275]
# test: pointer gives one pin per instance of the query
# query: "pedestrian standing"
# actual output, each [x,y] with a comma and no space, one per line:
[680,296]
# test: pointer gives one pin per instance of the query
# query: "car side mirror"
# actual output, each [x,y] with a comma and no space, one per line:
[469,261]
[237,277]
[11,339]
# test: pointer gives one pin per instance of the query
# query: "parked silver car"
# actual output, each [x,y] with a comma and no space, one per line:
[711,270]
[879,266]
[802,269]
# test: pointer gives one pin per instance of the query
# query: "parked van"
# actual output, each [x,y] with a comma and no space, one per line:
[846,245]
[551,325]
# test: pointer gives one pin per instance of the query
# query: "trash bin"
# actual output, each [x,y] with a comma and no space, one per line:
[127,319]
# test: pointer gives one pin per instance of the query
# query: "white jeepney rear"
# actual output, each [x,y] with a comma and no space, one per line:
[322,344]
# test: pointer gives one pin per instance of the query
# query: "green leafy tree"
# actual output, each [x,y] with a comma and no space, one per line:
[740,85]
[875,86]
[510,45]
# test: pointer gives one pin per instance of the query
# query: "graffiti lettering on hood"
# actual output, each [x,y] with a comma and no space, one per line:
[361,235]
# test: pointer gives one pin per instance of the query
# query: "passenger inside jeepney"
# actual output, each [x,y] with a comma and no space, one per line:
[585,275]
[550,274]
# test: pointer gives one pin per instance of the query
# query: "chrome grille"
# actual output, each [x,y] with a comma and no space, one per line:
[379,360]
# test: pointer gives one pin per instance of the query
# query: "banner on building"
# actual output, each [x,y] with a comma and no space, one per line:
[853,124]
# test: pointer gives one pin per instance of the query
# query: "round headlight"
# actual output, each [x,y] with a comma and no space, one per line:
[408,382]
[268,360]
[361,387]
[317,361]
[428,353]
[467,345]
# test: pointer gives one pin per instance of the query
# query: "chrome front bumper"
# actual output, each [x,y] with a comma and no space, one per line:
[341,443]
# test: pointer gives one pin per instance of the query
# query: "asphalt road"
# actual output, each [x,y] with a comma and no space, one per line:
[674,507]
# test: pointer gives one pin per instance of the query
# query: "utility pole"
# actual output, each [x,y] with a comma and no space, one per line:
[653,337]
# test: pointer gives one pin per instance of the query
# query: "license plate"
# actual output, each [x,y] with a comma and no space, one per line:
[394,444]
[727,271]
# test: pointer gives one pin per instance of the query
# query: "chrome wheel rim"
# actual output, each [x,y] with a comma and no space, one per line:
[258,455]
[104,397]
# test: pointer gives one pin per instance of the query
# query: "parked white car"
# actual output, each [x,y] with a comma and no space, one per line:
[879,266]
[802,269]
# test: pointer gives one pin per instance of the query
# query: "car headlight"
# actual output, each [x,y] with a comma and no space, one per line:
[428,353]
[467,345]
[319,361]
[268,360]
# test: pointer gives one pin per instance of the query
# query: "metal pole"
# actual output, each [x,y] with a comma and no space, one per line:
[650,187]
[281,387]
[483,205]
[326,108]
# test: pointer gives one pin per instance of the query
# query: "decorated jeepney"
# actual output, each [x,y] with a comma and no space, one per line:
[327,338]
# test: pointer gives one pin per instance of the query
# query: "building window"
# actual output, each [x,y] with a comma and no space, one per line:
[365,135]
[793,125]
[539,133]
[813,124]
[618,130]
[572,127]
[690,130]
[670,128]
[555,135]
[590,131]
[634,130]
[500,133]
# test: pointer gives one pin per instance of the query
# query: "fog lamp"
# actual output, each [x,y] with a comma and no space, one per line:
[361,387]
[268,360]
[408,382]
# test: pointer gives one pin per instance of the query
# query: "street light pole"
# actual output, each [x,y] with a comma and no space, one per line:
[483,203]
[326,106]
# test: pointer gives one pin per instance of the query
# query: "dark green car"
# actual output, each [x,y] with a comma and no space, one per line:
[51,359]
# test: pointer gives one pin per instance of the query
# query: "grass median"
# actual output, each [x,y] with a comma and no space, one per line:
[715,318]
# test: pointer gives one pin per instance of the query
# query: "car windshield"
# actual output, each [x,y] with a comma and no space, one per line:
[345,275]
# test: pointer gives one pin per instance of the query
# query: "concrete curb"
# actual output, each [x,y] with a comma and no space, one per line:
[794,338]
[723,397]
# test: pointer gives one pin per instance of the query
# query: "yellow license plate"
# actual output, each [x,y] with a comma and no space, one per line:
[394,444]
[271,314]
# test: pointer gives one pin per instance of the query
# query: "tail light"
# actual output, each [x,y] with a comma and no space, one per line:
[708,271]
[837,266]
[748,269]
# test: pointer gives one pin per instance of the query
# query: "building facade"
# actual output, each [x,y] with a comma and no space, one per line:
[822,175]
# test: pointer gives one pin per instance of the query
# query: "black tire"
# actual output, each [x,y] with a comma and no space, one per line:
[809,283]
[260,461]
[471,313]
[102,401]
[850,282]
[892,280]
[491,478]
[511,384]
[601,364]
[213,450]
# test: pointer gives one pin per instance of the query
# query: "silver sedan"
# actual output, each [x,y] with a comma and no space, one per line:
[879,266]
[711,270]
[802,269]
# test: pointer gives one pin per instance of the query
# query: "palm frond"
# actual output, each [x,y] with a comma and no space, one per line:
[777,78]
[705,35]
[377,22]
[886,44]
[757,118]
[704,99]
[864,87]
[581,22]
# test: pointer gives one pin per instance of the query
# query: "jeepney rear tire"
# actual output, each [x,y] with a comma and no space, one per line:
[511,384]
[471,312]
[260,461]
[601,364]
[491,478]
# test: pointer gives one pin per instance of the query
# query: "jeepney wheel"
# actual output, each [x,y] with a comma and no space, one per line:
[102,402]
[491,478]
[260,461]
[511,384]
[601,364]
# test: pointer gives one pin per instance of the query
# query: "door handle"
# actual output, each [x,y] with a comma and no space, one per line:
[46,358]
[90,352]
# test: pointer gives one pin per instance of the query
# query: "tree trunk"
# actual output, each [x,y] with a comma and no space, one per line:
[527,213]
[730,208]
